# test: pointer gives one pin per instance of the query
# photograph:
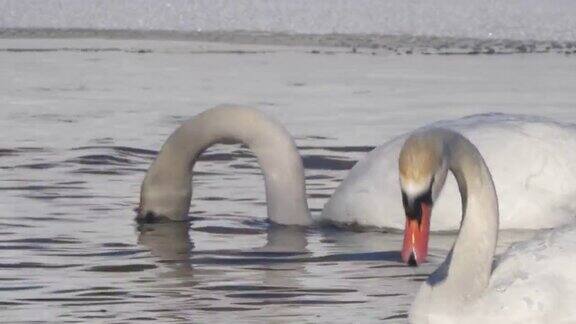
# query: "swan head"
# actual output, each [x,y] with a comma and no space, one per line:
[423,169]
[164,195]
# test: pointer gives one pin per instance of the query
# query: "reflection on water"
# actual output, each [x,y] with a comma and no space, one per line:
[280,279]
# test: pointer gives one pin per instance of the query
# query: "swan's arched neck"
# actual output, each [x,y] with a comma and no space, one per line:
[167,187]
[465,273]
[470,261]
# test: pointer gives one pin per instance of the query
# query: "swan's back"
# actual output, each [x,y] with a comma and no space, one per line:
[530,159]
[533,282]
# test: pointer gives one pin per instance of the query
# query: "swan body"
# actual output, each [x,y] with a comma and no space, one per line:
[541,181]
[532,283]
[530,158]
[167,187]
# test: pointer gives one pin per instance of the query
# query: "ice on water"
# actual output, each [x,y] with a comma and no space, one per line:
[501,19]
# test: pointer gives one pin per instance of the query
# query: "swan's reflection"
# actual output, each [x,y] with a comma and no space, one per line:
[288,239]
[285,241]
[170,242]
[277,261]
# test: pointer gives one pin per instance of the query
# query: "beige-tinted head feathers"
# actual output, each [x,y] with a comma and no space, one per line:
[419,159]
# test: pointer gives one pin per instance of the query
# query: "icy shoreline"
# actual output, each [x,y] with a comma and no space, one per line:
[356,43]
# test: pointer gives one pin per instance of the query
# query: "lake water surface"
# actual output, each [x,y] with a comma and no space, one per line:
[82,120]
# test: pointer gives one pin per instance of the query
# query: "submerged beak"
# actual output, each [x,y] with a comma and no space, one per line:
[416,234]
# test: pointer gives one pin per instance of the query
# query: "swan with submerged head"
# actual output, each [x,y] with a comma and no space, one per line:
[167,188]
[368,196]
[532,283]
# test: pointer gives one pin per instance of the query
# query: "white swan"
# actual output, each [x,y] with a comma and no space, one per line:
[461,290]
[530,158]
[167,187]
[542,180]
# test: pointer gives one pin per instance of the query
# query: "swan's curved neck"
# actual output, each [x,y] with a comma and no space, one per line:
[167,187]
[470,261]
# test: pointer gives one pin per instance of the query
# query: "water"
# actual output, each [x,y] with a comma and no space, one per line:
[75,253]
[80,127]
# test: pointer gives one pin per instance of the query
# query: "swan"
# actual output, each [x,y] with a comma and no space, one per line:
[542,184]
[463,289]
[540,181]
[166,191]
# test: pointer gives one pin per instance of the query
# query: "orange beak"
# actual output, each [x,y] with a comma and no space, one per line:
[416,234]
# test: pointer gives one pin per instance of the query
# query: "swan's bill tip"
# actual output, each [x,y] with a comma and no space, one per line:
[412,260]
[416,235]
